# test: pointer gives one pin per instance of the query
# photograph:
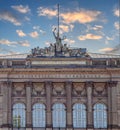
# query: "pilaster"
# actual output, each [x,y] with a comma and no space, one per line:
[28,86]
[89,86]
[118,104]
[112,104]
[48,86]
[5,104]
[69,103]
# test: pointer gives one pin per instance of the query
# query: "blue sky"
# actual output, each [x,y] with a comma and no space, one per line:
[91,24]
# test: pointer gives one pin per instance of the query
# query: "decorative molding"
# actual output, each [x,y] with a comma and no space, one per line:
[58,89]
[18,89]
[100,89]
[79,89]
[38,89]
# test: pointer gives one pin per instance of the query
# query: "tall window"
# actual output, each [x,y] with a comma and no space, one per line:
[59,115]
[19,115]
[38,115]
[100,116]
[79,116]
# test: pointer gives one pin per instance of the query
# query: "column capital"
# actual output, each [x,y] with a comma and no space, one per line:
[28,83]
[89,83]
[112,83]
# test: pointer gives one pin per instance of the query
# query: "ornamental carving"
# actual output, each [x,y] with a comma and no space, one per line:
[100,89]
[38,89]
[58,89]
[79,89]
[18,89]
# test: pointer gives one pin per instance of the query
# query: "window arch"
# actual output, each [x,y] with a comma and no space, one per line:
[100,116]
[59,115]
[19,115]
[79,115]
[38,115]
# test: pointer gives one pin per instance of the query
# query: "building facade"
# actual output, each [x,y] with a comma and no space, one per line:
[60,88]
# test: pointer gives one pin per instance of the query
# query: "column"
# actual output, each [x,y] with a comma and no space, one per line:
[69,104]
[28,86]
[118,104]
[89,86]
[4,87]
[10,104]
[112,105]
[48,86]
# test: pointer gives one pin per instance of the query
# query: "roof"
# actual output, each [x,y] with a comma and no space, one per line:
[91,55]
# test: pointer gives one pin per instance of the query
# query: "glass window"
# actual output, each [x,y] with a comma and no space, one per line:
[19,115]
[79,116]
[59,115]
[38,115]
[100,116]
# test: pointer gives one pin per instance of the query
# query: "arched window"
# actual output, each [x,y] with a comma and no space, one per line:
[59,115]
[79,116]
[38,115]
[100,116]
[19,115]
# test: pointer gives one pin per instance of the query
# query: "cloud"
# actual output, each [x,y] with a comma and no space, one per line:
[97,27]
[64,28]
[24,43]
[109,38]
[106,50]
[116,49]
[13,43]
[34,34]
[116,25]
[69,41]
[116,12]
[22,9]
[7,16]
[46,12]
[38,28]
[7,42]
[20,33]
[89,37]
[81,16]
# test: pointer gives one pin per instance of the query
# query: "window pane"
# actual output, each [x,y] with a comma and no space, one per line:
[38,115]
[59,115]
[100,116]
[79,116]
[19,115]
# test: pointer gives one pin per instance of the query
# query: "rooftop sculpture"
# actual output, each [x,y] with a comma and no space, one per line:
[58,49]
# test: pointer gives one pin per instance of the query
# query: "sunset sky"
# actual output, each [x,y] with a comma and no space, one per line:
[91,24]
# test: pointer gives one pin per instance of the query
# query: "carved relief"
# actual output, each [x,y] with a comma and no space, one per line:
[38,89]
[99,89]
[79,89]
[18,89]
[58,89]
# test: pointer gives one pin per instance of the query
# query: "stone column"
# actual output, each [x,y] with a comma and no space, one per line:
[89,86]
[69,104]
[112,105]
[118,104]
[4,87]
[28,86]
[48,87]
[10,104]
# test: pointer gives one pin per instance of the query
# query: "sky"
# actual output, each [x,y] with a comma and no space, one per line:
[91,24]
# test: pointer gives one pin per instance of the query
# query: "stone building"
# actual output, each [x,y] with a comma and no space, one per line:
[59,88]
